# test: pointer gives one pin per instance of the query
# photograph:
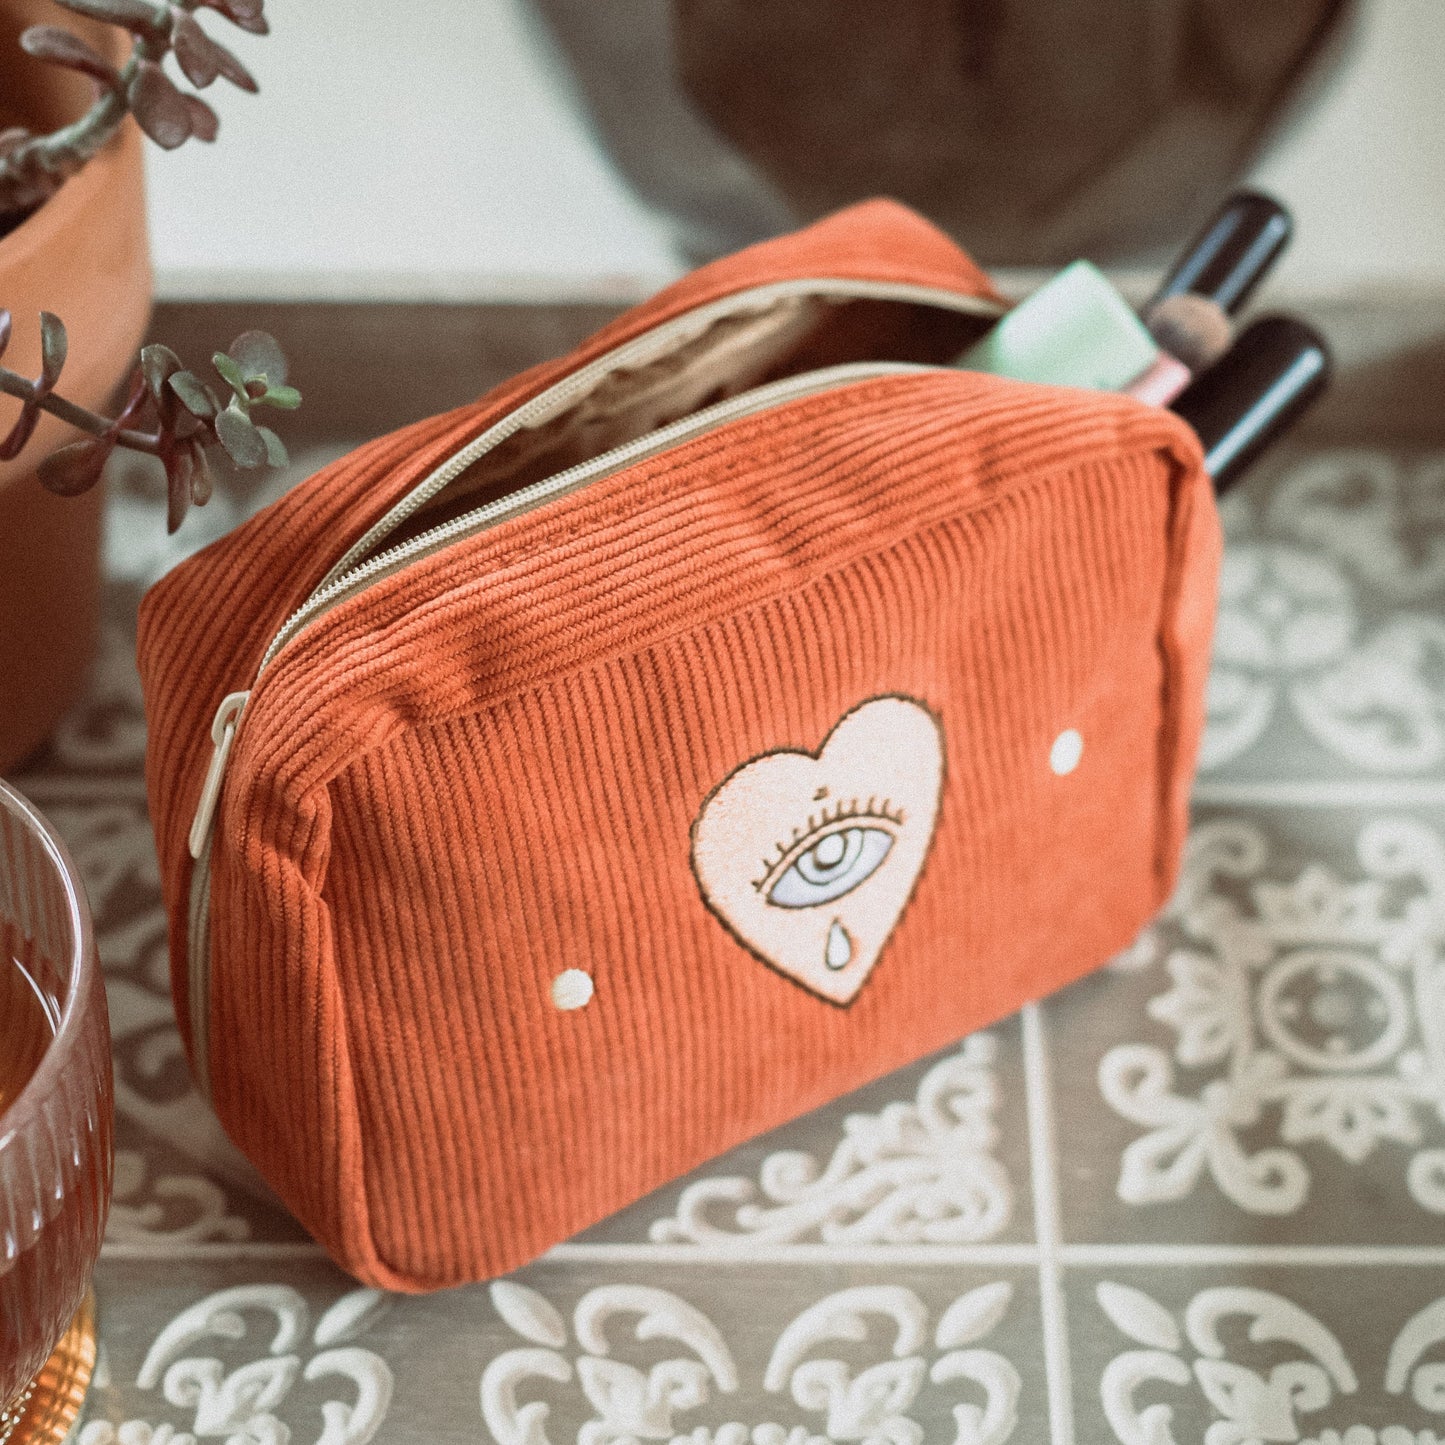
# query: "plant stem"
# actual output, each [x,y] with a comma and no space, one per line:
[32,172]
[13,384]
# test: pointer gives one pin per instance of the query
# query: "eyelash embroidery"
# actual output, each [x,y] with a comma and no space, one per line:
[884,812]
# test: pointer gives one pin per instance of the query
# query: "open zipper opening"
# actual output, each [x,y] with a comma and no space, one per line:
[749,338]
[390,560]
[794,308]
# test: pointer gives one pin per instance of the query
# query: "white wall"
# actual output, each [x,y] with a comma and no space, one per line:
[427,151]
[1365,170]
[401,150]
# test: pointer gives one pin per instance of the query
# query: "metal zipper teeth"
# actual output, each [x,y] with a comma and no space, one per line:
[539,493]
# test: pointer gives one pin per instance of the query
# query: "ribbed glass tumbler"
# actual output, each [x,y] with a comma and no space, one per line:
[56,1115]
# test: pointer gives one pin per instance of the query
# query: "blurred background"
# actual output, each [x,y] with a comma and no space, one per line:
[494,150]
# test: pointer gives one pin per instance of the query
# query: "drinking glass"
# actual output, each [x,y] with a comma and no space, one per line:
[56,1115]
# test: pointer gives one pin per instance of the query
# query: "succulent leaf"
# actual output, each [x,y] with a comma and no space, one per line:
[203,59]
[180,467]
[159,106]
[244,13]
[74,468]
[202,483]
[54,344]
[20,433]
[241,438]
[5,324]
[60,47]
[134,15]
[276,454]
[158,364]
[284,398]
[195,50]
[259,356]
[231,69]
[205,123]
[138,400]
[195,395]
[231,373]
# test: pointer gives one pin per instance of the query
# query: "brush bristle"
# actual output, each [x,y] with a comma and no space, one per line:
[1191,328]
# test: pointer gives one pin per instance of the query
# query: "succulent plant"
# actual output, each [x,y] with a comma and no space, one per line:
[169,413]
[33,167]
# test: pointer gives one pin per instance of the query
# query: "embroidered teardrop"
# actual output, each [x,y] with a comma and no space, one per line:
[840,947]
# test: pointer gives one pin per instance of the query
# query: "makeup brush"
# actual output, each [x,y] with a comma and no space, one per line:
[1191,328]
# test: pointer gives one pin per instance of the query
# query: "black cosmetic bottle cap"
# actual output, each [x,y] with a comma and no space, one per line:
[1232,254]
[1276,369]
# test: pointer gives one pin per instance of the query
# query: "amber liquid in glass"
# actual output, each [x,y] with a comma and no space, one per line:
[56,1130]
[39,1285]
[27,1022]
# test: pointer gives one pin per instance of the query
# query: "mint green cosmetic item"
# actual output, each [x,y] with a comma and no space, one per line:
[1075,330]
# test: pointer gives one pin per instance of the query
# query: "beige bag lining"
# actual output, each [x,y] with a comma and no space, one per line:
[733,354]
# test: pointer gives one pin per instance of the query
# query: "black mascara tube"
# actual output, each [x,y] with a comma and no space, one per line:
[1232,254]
[1275,371]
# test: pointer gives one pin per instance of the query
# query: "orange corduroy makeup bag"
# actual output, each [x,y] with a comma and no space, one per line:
[556,792]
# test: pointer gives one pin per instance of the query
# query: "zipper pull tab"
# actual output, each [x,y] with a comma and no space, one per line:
[223,734]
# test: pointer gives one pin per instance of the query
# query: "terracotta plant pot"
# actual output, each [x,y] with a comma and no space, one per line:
[82,255]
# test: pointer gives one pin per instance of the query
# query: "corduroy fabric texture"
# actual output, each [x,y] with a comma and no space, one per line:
[496,764]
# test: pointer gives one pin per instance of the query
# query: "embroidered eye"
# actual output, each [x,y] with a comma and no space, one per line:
[826,866]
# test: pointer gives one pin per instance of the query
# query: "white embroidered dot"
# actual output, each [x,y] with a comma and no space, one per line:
[1068,748]
[572,988]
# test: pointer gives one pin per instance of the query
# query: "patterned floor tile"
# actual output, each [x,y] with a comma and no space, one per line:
[1269,1064]
[933,1155]
[287,1350]
[1329,654]
[711,1357]
[839,1353]
[1322,1357]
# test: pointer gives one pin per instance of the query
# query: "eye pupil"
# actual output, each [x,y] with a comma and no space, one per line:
[836,864]
[832,855]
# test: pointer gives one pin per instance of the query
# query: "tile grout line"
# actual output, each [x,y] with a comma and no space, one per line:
[1022,1255]
[986,1255]
[203,1251]
[1299,1256]
[1057,1371]
[1321,793]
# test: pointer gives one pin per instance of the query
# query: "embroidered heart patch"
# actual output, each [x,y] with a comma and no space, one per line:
[809,859]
